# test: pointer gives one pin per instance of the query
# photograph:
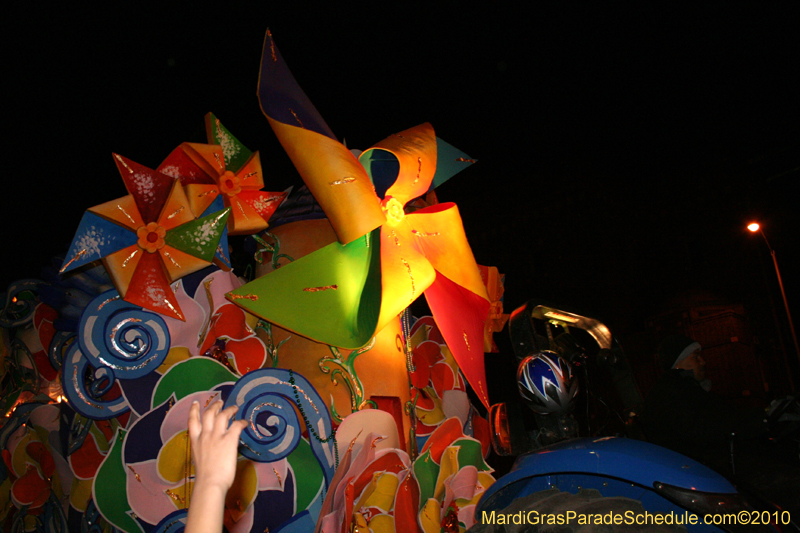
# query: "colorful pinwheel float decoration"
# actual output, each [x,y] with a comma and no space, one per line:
[224,172]
[147,239]
[344,293]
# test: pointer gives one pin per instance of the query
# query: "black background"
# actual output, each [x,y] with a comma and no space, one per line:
[622,148]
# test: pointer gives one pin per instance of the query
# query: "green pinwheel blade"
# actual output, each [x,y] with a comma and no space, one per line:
[199,237]
[235,153]
[332,296]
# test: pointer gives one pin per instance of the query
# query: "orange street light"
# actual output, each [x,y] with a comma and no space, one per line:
[754,227]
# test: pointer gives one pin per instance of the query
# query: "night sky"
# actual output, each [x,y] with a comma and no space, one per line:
[621,149]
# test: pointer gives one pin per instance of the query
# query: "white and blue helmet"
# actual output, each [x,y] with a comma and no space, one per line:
[546,383]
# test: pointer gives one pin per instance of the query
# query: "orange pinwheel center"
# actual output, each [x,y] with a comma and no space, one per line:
[151,237]
[229,183]
[393,210]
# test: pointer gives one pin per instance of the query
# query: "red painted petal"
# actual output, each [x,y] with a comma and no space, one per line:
[406,504]
[442,378]
[424,356]
[30,489]
[447,432]
[85,461]
[38,452]
[389,462]
[248,354]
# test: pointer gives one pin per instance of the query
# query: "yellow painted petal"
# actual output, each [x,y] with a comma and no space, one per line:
[431,417]
[429,517]
[174,465]
[121,266]
[122,211]
[440,235]
[415,150]
[174,356]
[19,457]
[448,467]
[335,178]
[383,495]
[249,175]
[180,495]
[176,210]
[420,335]
[244,490]
[368,490]
[451,362]
[382,523]
[485,479]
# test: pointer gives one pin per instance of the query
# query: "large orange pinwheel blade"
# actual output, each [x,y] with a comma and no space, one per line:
[405,163]
[335,178]
[406,273]
[332,174]
[439,233]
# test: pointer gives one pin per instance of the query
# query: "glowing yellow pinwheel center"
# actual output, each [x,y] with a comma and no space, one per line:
[229,183]
[151,237]
[393,210]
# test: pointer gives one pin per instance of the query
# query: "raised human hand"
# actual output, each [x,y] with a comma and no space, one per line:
[214,442]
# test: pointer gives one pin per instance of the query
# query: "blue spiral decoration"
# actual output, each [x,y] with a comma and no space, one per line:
[84,392]
[266,399]
[122,337]
[58,347]
[175,522]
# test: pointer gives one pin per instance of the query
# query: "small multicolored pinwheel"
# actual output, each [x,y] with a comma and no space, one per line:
[224,169]
[345,292]
[147,239]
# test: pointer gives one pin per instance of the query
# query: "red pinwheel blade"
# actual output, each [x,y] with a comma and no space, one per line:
[460,315]
[148,187]
[149,288]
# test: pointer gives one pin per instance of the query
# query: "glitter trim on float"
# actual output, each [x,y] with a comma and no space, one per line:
[342,181]
[319,289]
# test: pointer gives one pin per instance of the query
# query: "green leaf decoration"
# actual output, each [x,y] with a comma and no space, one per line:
[307,474]
[190,376]
[112,499]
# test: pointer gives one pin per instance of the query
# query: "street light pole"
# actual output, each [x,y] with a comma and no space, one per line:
[756,227]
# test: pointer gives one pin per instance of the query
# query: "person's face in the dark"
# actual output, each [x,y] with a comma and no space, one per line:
[696,364]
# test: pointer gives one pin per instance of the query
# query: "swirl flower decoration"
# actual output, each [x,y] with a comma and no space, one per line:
[439,392]
[147,239]
[34,476]
[451,477]
[147,475]
[371,492]
[385,258]
[224,172]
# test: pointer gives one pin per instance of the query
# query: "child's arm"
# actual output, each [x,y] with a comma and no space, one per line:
[214,450]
